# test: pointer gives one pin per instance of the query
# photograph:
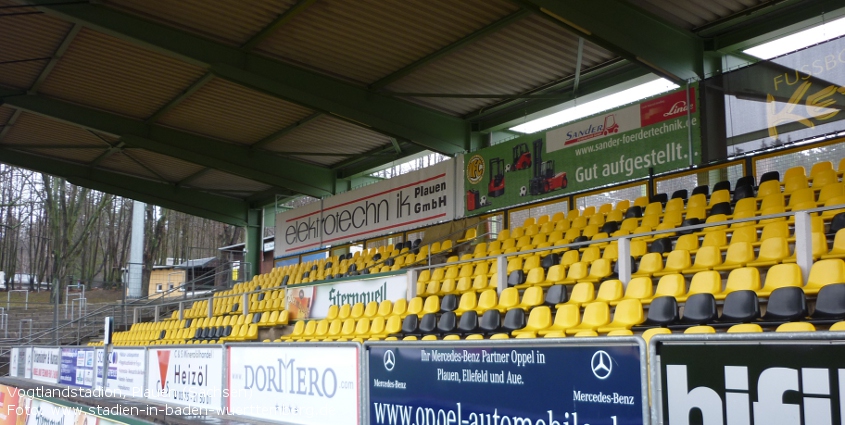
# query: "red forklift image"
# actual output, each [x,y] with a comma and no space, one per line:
[496,187]
[610,125]
[545,180]
[521,158]
[475,200]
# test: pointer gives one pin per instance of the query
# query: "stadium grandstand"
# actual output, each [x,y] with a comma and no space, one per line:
[483,212]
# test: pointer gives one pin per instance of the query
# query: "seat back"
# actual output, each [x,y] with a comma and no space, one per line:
[663,311]
[830,303]
[468,322]
[786,304]
[699,309]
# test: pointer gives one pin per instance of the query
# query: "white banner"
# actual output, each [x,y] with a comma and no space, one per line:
[188,376]
[619,121]
[126,371]
[28,363]
[302,385]
[45,364]
[321,297]
[41,412]
[13,361]
[404,202]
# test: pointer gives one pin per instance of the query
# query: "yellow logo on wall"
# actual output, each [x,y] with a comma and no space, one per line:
[475,169]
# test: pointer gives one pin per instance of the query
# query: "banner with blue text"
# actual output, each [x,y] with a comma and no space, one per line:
[538,384]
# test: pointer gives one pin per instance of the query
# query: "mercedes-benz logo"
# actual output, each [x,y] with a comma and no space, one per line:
[601,364]
[389,360]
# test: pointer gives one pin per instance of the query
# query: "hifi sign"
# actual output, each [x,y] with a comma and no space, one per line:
[531,383]
[316,384]
[77,367]
[772,381]
[126,371]
[352,292]
[45,364]
[189,376]
[415,199]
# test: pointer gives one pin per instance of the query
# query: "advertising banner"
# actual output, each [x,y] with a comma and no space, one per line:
[77,367]
[45,413]
[785,99]
[188,376]
[45,364]
[9,403]
[531,383]
[749,381]
[14,355]
[313,385]
[27,362]
[126,371]
[321,297]
[612,147]
[408,201]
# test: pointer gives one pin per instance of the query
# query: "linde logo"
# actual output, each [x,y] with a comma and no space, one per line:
[339,298]
[677,108]
[805,389]
[285,376]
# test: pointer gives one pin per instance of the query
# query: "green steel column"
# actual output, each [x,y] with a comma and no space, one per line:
[253,244]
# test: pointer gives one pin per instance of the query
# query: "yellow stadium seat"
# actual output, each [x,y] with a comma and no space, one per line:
[566,316]
[772,251]
[707,258]
[824,272]
[745,328]
[677,261]
[700,330]
[610,291]
[582,293]
[780,276]
[649,333]
[639,288]
[628,313]
[596,315]
[705,282]
[509,298]
[738,255]
[540,318]
[672,285]
[650,264]
[796,327]
[746,278]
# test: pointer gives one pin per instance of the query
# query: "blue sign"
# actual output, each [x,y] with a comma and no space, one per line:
[77,367]
[505,384]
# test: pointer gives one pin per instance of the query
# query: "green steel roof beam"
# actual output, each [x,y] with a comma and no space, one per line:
[634,34]
[434,130]
[280,20]
[223,209]
[267,168]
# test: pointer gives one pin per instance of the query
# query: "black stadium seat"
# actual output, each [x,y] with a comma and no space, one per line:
[745,181]
[680,194]
[771,175]
[740,307]
[514,319]
[830,303]
[516,277]
[743,192]
[490,322]
[662,246]
[449,303]
[703,189]
[556,294]
[663,311]
[428,323]
[635,211]
[699,309]
[786,304]
[468,323]
[447,323]
[549,261]
[721,208]
[722,185]
[660,197]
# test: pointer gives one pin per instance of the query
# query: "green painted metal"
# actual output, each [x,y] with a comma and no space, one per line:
[261,166]
[278,135]
[223,209]
[60,51]
[109,152]
[435,130]
[463,42]
[280,20]
[621,27]
[179,99]
[253,242]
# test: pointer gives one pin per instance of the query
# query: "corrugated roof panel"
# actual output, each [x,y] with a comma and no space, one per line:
[80,156]
[693,14]
[526,55]
[121,162]
[34,130]
[327,134]
[172,169]
[218,180]
[365,40]
[30,38]
[230,22]
[5,114]
[107,73]
[228,111]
